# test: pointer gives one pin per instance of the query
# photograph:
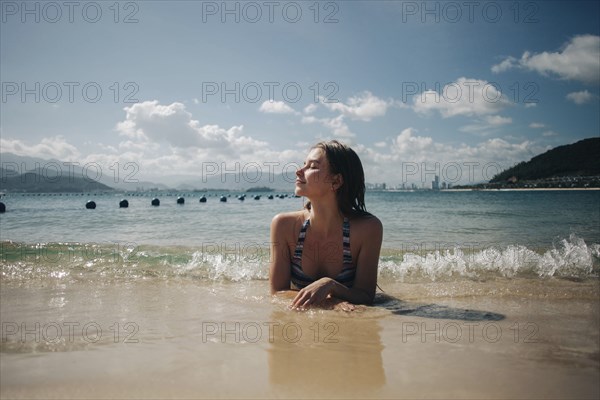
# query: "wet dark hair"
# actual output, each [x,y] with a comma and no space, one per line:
[343,160]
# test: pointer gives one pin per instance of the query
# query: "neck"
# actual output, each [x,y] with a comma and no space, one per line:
[325,216]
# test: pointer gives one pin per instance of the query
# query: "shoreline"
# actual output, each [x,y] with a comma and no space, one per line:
[530,189]
[483,190]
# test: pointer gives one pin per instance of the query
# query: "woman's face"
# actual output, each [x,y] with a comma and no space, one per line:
[313,179]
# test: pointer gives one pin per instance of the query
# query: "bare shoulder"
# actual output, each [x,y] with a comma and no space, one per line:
[366,229]
[369,224]
[287,222]
[286,218]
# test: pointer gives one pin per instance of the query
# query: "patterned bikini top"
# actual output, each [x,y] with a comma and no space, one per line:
[345,277]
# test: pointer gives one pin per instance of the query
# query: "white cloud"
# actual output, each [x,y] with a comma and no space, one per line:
[363,107]
[479,129]
[276,107]
[486,125]
[536,125]
[52,147]
[497,120]
[151,122]
[581,97]
[309,119]
[311,108]
[149,125]
[549,133]
[146,127]
[407,142]
[383,161]
[464,97]
[579,59]
[505,65]
[336,125]
[417,159]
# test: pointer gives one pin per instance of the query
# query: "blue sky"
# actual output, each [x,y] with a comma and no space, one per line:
[462,88]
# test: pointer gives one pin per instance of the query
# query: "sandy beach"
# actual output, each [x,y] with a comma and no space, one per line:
[517,339]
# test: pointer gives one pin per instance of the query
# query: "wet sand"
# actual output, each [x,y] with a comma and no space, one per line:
[510,338]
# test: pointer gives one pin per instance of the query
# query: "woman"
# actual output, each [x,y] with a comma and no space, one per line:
[329,251]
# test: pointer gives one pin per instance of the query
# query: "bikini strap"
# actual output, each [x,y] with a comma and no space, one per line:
[347,253]
[300,242]
[346,231]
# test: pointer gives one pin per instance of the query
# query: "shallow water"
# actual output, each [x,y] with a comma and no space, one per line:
[152,338]
[423,218]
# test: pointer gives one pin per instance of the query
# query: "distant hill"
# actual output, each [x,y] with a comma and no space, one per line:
[260,189]
[11,164]
[39,182]
[577,159]
[129,180]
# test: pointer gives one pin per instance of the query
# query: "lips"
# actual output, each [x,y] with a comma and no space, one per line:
[299,181]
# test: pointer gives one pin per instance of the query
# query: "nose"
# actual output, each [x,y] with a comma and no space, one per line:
[299,172]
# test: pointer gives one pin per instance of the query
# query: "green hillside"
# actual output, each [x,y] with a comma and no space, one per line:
[36,182]
[578,159]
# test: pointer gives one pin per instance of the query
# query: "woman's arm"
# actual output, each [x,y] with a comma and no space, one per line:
[279,268]
[365,282]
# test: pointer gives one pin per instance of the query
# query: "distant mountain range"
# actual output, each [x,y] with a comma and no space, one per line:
[39,181]
[31,174]
[577,159]
[12,165]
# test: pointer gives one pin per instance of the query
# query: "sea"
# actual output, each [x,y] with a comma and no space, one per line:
[482,294]
[428,235]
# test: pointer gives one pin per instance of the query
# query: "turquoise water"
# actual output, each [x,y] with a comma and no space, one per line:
[427,235]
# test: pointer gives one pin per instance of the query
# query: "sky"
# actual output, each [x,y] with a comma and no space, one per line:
[168,90]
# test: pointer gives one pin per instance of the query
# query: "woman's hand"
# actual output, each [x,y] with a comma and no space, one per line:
[313,294]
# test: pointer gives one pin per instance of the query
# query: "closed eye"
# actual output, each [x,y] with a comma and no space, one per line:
[311,163]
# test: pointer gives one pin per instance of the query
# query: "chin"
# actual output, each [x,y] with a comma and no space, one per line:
[300,190]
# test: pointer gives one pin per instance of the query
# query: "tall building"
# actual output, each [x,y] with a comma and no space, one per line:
[435,184]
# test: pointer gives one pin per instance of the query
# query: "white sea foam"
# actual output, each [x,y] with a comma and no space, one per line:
[570,258]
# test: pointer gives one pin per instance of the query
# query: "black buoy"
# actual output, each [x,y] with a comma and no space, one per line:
[124,203]
[2,207]
[180,200]
[155,202]
[270,197]
[203,199]
[257,197]
[242,198]
[90,205]
[223,199]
